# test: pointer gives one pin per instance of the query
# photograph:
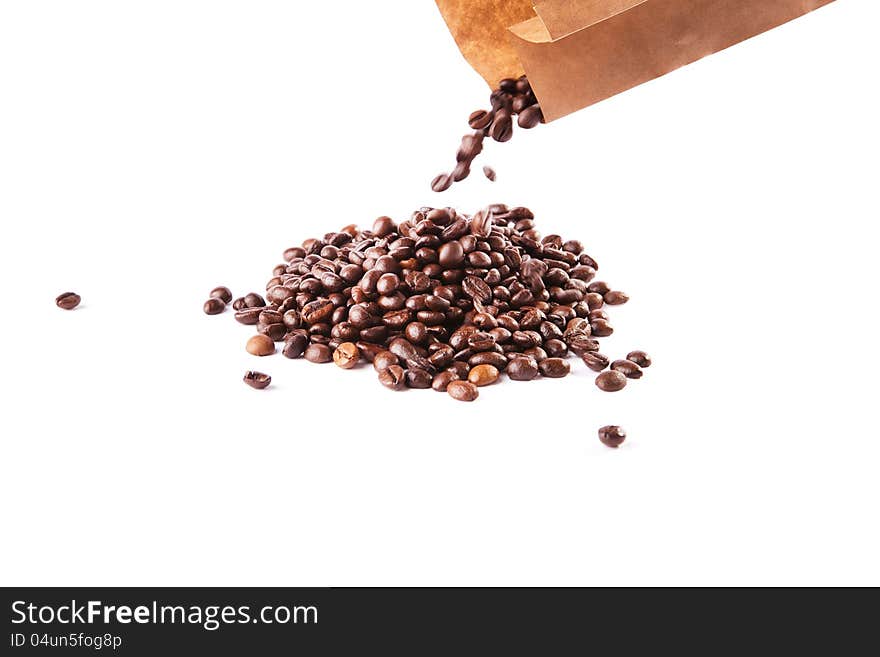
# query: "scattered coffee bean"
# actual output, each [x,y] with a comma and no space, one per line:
[257,380]
[612,436]
[260,345]
[554,368]
[318,353]
[69,300]
[483,375]
[595,361]
[614,298]
[628,368]
[222,293]
[640,358]
[611,381]
[489,172]
[462,391]
[522,369]
[346,355]
[214,306]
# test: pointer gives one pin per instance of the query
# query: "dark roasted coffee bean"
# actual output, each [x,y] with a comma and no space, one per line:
[462,391]
[213,306]
[443,379]
[554,368]
[318,353]
[393,377]
[522,369]
[295,345]
[502,126]
[451,254]
[601,328]
[383,226]
[222,293]
[239,304]
[275,332]
[384,360]
[70,300]
[611,381]
[416,332]
[489,172]
[599,287]
[461,369]
[317,311]
[248,316]
[441,183]
[612,436]
[615,298]
[555,348]
[418,378]
[640,358]
[254,300]
[480,119]
[594,360]
[530,117]
[346,355]
[260,345]
[628,368]
[493,358]
[257,380]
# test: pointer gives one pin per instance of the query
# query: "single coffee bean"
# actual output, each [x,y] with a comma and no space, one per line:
[451,255]
[522,369]
[480,119]
[214,306]
[628,368]
[418,378]
[489,172]
[483,375]
[612,436]
[640,358]
[441,183]
[222,293]
[393,377]
[595,361]
[384,360]
[462,391]
[249,316]
[554,368]
[318,353]
[260,345]
[346,355]
[254,300]
[70,300]
[257,380]
[502,127]
[611,381]
[530,117]
[615,298]
[443,379]
[239,304]
[601,328]
[295,345]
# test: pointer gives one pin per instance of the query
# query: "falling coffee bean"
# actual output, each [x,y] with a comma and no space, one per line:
[67,301]
[257,380]
[489,172]
[612,436]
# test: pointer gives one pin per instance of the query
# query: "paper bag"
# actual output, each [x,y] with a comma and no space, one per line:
[578,52]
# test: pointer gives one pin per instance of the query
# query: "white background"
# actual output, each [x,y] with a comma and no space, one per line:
[152,150]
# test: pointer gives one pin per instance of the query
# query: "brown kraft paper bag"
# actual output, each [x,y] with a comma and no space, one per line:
[578,52]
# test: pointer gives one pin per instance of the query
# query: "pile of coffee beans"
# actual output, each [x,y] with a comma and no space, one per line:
[442,300]
[512,98]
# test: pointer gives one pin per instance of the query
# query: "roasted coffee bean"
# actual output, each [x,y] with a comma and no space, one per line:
[480,119]
[384,360]
[611,381]
[612,436]
[418,378]
[494,358]
[70,300]
[318,353]
[443,379]
[555,348]
[489,172]
[213,306]
[595,361]
[460,369]
[393,377]
[451,254]
[640,358]
[222,293]
[615,298]
[416,332]
[483,375]
[260,345]
[295,345]
[522,369]
[554,368]
[346,355]
[628,368]
[601,328]
[317,311]
[530,117]
[462,391]
[239,304]
[254,300]
[257,380]
[502,126]
[275,332]
[441,183]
